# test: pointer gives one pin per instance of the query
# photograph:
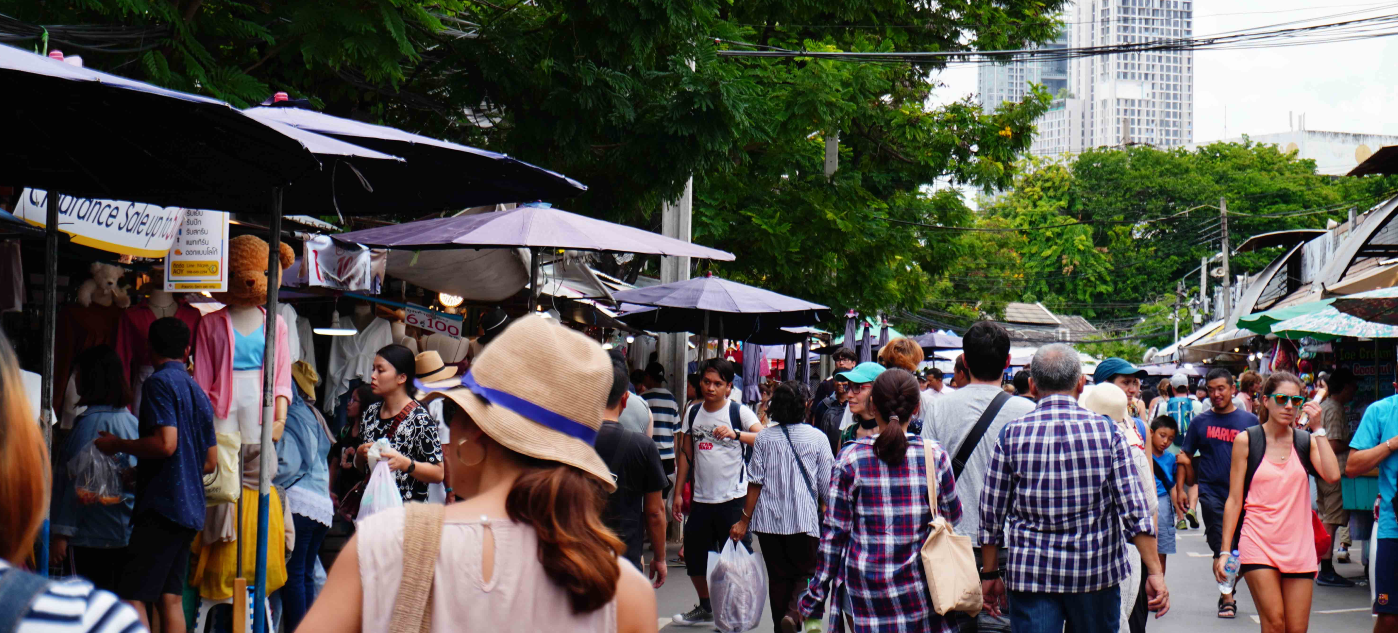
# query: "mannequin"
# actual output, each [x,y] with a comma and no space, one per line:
[229,366]
[131,343]
[80,327]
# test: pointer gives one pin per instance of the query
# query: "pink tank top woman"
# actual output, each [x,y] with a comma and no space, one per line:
[1277,529]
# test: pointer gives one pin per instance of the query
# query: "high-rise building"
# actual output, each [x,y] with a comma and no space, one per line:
[1142,97]
[997,83]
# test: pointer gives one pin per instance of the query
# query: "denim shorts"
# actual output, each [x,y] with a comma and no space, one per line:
[1165,526]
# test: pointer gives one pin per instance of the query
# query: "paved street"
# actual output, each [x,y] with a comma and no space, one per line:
[1193,592]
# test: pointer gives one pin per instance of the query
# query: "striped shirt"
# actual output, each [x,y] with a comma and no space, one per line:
[74,606]
[666,413]
[786,505]
[1062,494]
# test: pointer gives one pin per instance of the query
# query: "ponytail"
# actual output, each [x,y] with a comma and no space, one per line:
[578,552]
[896,398]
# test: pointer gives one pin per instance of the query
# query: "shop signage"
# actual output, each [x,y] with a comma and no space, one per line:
[433,321]
[126,228]
[354,268]
[198,259]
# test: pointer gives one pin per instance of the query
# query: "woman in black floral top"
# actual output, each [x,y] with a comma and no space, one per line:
[415,453]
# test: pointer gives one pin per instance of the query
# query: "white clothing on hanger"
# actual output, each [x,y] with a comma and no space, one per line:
[353,357]
[307,343]
[293,337]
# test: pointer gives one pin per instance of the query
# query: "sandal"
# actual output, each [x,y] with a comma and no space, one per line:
[1227,610]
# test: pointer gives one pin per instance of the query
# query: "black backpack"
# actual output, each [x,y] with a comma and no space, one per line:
[1257,451]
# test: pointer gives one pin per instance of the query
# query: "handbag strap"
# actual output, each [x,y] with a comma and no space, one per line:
[973,439]
[931,483]
[805,474]
[422,540]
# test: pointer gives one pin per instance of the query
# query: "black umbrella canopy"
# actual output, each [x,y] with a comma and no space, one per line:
[436,175]
[90,134]
[761,329]
[733,310]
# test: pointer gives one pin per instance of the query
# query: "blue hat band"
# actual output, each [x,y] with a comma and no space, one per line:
[524,408]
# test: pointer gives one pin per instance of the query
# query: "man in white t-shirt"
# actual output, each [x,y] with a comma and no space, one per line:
[709,443]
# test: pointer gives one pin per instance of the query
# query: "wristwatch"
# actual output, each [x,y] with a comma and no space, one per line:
[1318,432]
[411,467]
[992,575]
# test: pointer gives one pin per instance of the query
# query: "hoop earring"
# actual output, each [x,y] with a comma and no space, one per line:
[462,461]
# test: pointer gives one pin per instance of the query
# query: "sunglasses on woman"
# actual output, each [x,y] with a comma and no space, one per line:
[1281,399]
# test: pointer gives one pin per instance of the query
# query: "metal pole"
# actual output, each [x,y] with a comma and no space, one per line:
[533,280]
[1227,281]
[675,222]
[269,356]
[1204,285]
[1179,289]
[50,336]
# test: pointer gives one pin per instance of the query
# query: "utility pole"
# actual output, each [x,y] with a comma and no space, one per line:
[1227,276]
[1179,290]
[675,222]
[1204,285]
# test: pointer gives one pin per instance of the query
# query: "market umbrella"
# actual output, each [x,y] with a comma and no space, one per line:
[752,372]
[477,177]
[1378,306]
[789,369]
[851,328]
[1262,322]
[1329,324]
[529,226]
[883,332]
[865,353]
[711,304]
[803,369]
[933,341]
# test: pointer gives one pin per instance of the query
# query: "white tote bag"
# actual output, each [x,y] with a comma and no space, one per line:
[948,561]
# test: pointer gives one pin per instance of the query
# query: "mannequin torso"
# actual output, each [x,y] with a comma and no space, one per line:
[162,304]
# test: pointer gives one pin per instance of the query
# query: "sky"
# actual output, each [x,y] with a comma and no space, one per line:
[1342,87]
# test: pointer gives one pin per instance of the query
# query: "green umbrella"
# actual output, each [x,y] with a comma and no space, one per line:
[1263,322]
[1329,324]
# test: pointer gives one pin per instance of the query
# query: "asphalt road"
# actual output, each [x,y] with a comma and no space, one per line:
[1193,592]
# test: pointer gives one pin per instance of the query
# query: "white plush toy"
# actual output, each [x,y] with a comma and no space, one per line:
[103,288]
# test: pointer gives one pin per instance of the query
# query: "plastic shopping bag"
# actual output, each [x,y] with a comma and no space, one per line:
[737,586]
[381,493]
[96,477]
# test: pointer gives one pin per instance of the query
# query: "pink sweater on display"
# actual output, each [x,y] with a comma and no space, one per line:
[213,364]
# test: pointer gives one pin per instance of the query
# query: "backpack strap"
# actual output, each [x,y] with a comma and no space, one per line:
[1301,440]
[968,445]
[20,589]
[422,540]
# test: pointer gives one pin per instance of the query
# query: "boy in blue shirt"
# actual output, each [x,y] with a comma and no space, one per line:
[1172,475]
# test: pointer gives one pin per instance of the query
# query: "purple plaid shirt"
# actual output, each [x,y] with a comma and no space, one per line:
[871,540]
[1062,494]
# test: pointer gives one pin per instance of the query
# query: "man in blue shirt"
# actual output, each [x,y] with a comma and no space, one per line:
[1373,445]
[176,449]
[1210,435]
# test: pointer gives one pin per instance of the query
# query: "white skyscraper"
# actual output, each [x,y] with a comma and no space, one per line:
[1144,97]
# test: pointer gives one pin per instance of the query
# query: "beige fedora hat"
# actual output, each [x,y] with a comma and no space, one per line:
[430,368]
[539,389]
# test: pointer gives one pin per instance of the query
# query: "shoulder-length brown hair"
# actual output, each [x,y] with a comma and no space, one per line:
[24,463]
[901,353]
[1270,387]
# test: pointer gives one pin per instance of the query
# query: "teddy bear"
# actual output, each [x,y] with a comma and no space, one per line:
[247,270]
[102,287]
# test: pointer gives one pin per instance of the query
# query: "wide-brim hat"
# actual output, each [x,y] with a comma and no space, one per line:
[430,367]
[1105,399]
[539,389]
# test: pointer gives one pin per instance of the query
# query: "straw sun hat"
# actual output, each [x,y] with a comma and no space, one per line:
[1105,399]
[539,389]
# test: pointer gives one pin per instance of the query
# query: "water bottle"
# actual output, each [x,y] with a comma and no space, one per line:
[812,625]
[1230,570]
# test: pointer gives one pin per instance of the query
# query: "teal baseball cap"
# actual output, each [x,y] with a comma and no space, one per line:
[1113,367]
[862,373]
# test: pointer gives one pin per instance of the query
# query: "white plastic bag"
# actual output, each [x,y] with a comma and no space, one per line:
[737,586]
[381,493]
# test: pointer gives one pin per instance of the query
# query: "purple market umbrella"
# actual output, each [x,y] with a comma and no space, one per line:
[803,372]
[712,305]
[464,176]
[883,332]
[933,341]
[851,329]
[789,371]
[865,345]
[752,372]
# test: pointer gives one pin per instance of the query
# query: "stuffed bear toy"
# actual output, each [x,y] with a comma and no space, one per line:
[247,271]
[103,286]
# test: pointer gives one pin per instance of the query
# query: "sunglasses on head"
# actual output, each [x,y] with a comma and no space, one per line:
[1281,398]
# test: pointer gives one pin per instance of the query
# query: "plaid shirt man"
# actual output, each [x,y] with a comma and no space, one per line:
[871,541]
[1062,494]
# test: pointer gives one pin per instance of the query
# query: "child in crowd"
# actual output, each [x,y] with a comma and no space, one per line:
[1171,469]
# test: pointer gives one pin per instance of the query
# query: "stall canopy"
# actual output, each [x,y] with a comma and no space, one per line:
[1262,322]
[1379,306]
[478,177]
[719,307]
[1328,324]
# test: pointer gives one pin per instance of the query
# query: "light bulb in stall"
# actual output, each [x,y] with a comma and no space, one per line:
[449,301]
[630,339]
[606,346]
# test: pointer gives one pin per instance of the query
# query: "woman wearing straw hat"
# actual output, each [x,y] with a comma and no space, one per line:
[525,549]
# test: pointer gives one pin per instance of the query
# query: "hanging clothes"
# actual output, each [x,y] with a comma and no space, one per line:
[133,344]
[353,357]
[79,328]
[306,344]
[11,277]
[293,335]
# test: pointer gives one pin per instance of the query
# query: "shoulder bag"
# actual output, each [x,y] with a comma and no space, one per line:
[948,561]
[973,439]
[422,540]
[805,474]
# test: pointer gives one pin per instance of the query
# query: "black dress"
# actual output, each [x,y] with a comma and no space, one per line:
[416,438]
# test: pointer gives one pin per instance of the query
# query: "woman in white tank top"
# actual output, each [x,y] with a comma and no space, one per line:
[525,549]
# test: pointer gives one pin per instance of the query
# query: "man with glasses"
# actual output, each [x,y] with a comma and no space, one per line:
[1210,436]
